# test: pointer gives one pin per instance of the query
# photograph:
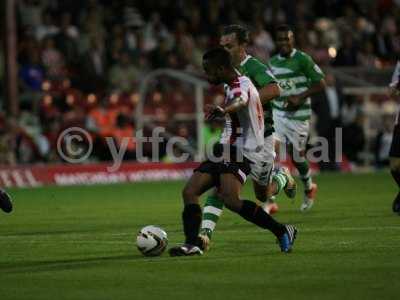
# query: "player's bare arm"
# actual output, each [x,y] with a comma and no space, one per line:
[215,110]
[269,92]
[297,100]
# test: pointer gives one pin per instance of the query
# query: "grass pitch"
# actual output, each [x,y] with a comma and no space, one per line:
[79,243]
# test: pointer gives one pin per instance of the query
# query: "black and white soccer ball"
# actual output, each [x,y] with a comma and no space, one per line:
[152,240]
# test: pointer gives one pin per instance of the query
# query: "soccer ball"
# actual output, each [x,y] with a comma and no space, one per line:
[152,240]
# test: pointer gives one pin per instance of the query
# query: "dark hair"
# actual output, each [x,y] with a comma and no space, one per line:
[242,33]
[283,28]
[218,57]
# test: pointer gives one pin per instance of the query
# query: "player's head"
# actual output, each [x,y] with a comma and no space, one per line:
[217,64]
[284,40]
[234,39]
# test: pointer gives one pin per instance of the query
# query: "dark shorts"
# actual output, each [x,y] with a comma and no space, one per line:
[395,148]
[236,165]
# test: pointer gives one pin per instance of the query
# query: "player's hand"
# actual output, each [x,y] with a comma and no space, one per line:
[293,102]
[214,111]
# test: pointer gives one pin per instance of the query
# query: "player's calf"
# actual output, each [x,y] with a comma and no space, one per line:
[191,215]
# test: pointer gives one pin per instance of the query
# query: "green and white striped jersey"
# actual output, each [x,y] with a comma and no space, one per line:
[295,74]
[260,75]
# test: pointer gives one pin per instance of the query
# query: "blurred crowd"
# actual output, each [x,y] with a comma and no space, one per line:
[81,62]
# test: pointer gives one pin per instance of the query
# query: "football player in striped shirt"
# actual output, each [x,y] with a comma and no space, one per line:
[234,39]
[298,77]
[243,136]
[395,147]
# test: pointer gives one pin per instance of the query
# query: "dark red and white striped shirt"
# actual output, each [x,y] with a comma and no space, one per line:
[247,124]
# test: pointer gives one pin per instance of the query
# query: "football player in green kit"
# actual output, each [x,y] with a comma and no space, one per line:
[298,77]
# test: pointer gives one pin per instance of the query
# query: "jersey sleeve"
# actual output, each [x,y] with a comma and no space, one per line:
[262,75]
[241,90]
[311,70]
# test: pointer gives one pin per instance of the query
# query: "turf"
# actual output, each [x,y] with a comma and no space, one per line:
[79,243]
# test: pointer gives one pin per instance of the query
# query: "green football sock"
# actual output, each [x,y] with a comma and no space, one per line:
[211,212]
[305,174]
[280,180]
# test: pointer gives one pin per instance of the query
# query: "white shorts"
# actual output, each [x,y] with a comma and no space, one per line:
[292,132]
[262,162]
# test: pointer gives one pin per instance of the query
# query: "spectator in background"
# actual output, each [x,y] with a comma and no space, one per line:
[263,44]
[201,44]
[124,134]
[153,31]
[47,28]
[52,59]
[30,124]
[388,40]
[347,53]
[101,119]
[124,74]
[159,54]
[116,42]
[353,129]
[21,147]
[69,29]
[383,140]
[93,11]
[327,106]
[30,12]
[366,56]
[31,73]
[51,130]
[94,66]
[66,41]
[7,142]
[184,132]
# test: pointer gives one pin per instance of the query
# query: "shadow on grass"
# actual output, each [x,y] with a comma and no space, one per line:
[62,264]
[81,263]
[47,232]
